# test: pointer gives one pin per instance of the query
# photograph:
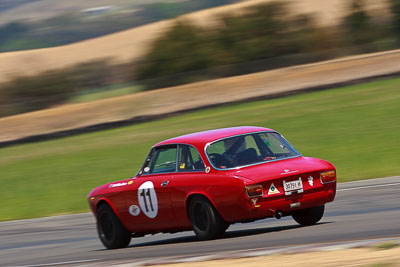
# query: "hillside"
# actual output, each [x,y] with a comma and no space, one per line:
[43,9]
[121,47]
[174,99]
[132,44]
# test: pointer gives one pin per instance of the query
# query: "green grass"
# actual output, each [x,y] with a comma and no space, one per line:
[387,245]
[356,128]
[103,94]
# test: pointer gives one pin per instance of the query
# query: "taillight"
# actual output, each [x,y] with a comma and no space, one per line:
[328,177]
[254,191]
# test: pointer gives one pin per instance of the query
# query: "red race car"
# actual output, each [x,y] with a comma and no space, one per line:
[208,180]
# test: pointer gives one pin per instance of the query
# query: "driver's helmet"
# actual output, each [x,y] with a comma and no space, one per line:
[235,145]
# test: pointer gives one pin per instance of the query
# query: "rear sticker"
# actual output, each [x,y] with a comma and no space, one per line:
[117,185]
[148,199]
[311,181]
[134,210]
[273,190]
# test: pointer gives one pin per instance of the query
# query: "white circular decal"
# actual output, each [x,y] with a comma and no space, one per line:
[134,210]
[148,199]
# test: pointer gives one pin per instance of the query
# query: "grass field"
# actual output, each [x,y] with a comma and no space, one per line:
[356,128]
[134,43]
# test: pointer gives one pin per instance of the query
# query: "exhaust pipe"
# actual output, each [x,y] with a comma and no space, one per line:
[278,214]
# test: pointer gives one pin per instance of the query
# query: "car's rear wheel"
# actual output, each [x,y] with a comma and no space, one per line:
[110,230]
[206,222]
[309,216]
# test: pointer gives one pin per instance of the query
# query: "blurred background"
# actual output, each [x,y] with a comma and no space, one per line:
[250,36]
[66,66]
[87,87]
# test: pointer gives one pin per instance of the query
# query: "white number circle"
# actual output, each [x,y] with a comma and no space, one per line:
[148,199]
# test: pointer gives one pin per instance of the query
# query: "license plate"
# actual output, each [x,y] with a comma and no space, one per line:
[291,187]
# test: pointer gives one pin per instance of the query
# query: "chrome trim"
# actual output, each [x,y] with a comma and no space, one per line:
[253,164]
[177,158]
[295,205]
[327,182]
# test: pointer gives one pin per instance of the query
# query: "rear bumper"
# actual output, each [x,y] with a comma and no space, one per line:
[267,206]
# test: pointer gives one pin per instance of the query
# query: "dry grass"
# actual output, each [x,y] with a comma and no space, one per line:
[133,44]
[120,47]
[327,12]
[198,94]
[349,257]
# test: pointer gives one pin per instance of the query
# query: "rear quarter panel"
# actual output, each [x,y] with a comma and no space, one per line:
[223,190]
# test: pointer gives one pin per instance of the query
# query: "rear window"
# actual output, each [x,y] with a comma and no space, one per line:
[249,149]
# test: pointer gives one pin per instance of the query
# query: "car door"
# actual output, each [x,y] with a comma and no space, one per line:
[189,177]
[149,201]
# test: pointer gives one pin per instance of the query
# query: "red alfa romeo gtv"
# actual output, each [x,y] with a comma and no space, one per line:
[208,180]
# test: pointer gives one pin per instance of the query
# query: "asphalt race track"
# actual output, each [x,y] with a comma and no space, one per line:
[362,210]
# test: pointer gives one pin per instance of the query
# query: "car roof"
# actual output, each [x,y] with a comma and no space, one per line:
[204,137]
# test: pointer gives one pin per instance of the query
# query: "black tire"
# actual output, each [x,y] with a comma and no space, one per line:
[309,216]
[206,222]
[110,230]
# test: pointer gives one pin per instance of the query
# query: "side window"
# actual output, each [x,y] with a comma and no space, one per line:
[163,160]
[189,159]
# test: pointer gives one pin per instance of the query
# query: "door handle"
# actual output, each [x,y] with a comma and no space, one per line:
[165,183]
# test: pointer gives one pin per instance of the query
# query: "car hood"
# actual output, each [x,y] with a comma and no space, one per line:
[283,168]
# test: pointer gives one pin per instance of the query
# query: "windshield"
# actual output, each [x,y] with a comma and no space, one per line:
[249,149]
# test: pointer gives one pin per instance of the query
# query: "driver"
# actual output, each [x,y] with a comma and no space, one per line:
[233,146]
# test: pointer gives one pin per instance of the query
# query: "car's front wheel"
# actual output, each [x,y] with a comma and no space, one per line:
[309,216]
[110,230]
[206,222]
